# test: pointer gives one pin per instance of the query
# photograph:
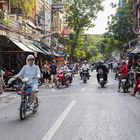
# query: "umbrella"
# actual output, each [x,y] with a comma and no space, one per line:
[137,49]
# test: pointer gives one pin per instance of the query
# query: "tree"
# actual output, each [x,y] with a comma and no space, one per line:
[23,6]
[80,14]
[86,48]
[120,26]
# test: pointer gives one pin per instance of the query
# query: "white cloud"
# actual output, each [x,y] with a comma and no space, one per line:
[102,18]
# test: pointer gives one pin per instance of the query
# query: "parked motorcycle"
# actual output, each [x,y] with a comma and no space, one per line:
[131,78]
[7,76]
[41,80]
[63,79]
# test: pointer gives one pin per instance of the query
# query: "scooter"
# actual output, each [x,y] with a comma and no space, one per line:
[131,78]
[85,76]
[7,76]
[124,84]
[102,81]
[63,79]
[24,90]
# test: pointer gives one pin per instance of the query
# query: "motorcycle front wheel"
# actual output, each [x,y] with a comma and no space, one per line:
[22,111]
[59,84]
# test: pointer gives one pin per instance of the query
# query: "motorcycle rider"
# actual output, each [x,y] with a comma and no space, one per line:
[105,72]
[85,66]
[32,72]
[137,78]
[123,73]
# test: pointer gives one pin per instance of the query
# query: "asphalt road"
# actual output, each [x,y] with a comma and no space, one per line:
[80,112]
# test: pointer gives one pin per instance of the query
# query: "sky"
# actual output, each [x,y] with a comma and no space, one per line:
[102,18]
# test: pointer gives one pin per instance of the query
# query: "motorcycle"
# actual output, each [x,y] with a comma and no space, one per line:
[7,76]
[102,82]
[63,79]
[131,78]
[24,90]
[124,84]
[84,75]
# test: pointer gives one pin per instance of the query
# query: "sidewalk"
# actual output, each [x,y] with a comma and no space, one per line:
[6,94]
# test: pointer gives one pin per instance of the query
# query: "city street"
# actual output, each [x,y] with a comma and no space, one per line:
[81,112]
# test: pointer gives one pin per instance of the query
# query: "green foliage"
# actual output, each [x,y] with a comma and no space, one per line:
[119,31]
[80,14]
[120,26]
[25,6]
[87,48]
[1,15]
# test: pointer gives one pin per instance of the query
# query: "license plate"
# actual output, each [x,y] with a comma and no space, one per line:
[123,80]
[101,79]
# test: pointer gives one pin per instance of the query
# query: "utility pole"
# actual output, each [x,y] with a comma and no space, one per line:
[54,9]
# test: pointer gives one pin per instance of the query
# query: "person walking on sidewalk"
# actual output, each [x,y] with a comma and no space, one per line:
[137,78]
[46,74]
[53,73]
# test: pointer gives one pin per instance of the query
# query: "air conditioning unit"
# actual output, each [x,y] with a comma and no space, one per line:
[13,16]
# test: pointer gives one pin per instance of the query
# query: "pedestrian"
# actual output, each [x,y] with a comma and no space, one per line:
[2,84]
[137,83]
[53,73]
[46,74]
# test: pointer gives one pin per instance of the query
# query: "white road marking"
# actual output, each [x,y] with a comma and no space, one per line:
[83,89]
[53,90]
[59,121]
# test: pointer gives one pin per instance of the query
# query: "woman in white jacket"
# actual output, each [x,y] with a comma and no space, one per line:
[32,73]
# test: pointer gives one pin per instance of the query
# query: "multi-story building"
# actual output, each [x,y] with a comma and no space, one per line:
[43,15]
[135,13]
[20,32]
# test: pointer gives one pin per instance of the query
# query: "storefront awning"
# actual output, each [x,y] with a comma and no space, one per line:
[42,47]
[29,44]
[31,24]
[34,48]
[21,46]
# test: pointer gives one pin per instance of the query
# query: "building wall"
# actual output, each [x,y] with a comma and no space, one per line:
[4,5]
[58,18]
[43,14]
